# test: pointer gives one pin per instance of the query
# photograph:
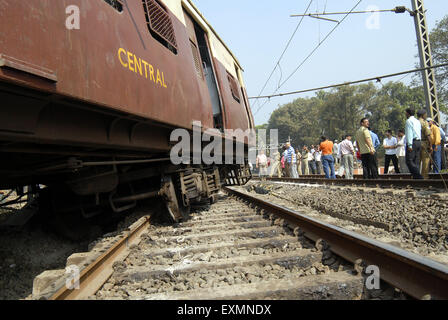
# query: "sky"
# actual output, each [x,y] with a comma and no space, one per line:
[362,46]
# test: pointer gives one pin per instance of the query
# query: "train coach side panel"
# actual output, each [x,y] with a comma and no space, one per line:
[112,60]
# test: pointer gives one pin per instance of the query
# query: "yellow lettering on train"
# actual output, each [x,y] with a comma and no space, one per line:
[120,52]
[145,64]
[131,61]
[138,65]
[159,79]
[163,78]
[151,72]
[135,64]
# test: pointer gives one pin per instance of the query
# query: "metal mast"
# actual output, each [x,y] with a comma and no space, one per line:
[429,81]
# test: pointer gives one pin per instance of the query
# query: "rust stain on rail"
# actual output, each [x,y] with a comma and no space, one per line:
[93,277]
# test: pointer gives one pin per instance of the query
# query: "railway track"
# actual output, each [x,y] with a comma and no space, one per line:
[432,176]
[244,248]
[389,182]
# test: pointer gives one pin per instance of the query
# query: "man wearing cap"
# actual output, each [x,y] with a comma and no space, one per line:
[436,141]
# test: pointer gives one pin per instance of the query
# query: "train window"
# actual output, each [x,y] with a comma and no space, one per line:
[234,87]
[159,24]
[116,4]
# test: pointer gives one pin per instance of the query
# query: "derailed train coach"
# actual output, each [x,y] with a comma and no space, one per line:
[91,91]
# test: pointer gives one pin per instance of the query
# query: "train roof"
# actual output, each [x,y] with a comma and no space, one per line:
[214,31]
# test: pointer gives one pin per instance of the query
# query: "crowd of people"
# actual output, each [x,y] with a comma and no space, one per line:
[417,150]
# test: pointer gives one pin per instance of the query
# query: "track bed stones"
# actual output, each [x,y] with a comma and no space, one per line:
[415,221]
[336,286]
[219,254]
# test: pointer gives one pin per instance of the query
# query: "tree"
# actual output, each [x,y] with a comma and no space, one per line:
[439,47]
[338,112]
[388,105]
[298,120]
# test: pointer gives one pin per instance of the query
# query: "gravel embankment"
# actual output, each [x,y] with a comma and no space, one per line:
[414,221]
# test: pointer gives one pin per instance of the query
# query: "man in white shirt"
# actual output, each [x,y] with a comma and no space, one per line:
[413,131]
[336,152]
[347,151]
[262,163]
[390,145]
[318,159]
[401,152]
[312,161]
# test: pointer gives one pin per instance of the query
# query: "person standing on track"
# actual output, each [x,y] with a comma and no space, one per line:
[299,162]
[347,152]
[326,147]
[336,152]
[413,133]
[283,162]
[390,145]
[311,160]
[318,160]
[276,167]
[443,136]
[436,141]
[401,152]
[289,159]
[426,150]
[262,164]
[367,150]
[305,157]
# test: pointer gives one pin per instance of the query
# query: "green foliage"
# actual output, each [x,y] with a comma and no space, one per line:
[339,111]
[439,47]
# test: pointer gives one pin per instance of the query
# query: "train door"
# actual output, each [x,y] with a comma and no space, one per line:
[245,101]
[204,64]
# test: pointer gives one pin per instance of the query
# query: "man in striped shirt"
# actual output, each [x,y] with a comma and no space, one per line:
[290,160]
[413,131]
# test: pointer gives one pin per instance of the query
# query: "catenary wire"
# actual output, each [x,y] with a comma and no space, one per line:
[309,56]
[284,51]
[350,83]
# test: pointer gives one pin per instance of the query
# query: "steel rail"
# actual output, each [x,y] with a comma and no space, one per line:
[433,176]
[93,277]
[401,183]
[415,275]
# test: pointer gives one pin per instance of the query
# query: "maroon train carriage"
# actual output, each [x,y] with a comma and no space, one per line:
[88,112]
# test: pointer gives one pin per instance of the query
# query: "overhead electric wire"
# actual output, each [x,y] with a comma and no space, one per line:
[310,55]
[320,43]
[284,51]
[350,83]
[400,9]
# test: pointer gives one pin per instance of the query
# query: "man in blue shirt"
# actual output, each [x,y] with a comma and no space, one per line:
[376,144]
[375,140]
[413,131]
[443,136]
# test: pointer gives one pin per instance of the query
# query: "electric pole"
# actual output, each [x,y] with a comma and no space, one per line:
[424,46]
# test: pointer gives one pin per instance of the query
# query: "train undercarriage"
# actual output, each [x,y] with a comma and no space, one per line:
[76,191]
